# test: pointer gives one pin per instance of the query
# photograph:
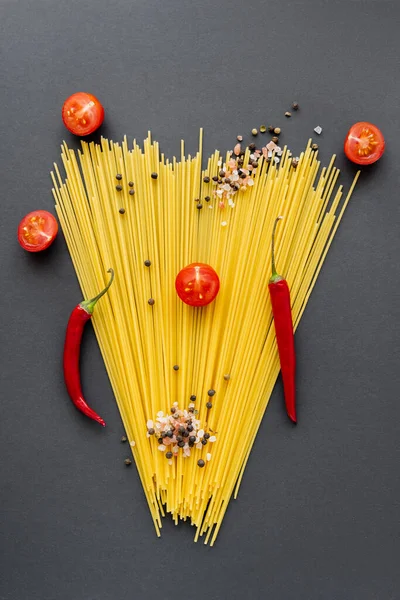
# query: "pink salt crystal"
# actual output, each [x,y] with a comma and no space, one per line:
[271,146]
[265,152]
[222,204]
[237,149]
[232,163]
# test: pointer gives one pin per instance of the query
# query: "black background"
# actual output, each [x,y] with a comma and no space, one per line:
[318,512]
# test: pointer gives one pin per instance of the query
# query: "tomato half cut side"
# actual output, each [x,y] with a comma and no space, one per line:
[82,113]
[364,143]
[37,231]
[197,284]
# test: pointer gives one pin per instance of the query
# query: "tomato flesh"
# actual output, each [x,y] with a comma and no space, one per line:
[37,231]
[197,284]
[82,113]
[364,143]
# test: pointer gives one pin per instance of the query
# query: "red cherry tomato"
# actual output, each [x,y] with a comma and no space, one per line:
[82,113]
[197,284]
[364,143]
[37,231]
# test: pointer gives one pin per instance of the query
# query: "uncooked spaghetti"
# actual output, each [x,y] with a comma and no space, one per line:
[169,363]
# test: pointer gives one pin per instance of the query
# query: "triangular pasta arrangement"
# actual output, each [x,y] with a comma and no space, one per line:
[214,367]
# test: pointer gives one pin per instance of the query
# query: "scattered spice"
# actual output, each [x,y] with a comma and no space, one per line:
[121,211]
[128,462]
[206,179]
[237,149]
[271,128]
[168,455]
[124,439]
[201,463]
[131,192]
[176,367]
[118,188]
[295,106]
[215,178]
[314,147]
[151,431]
[277,130]
[275,139]
[154,175]
[221,174]
[211,392]
[178,430]
[193,397]
[151,301]
[118,176]
[252,146]
[254,164]
[263,128]
[207,198]
[209,405]
[199,205]
[254,131]
[288,114]
[147,263]
[130,183]
[295,162]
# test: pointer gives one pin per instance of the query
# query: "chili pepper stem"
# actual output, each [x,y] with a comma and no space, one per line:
[88,305]
[274,277]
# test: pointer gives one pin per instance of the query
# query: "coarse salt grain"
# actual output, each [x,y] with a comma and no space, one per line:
[160,414]
[208,456]
[161,447]
[212,439]
[150,424]
[224,223]
[318,129]
[133,444]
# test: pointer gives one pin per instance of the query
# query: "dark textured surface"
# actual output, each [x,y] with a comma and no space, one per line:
[318,513]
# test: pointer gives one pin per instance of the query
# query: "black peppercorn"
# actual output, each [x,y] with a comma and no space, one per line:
[179,438]
[118,188]
[254,164]
[206,179]
[227,180]
[176,367]
[186,433]
[190,428]
[222,173]
[252,147]
[192,438]
[211,392]
[199,205]
[275,139]
[242,175]
[191,444]
[151,431]
[181,444]
[191,409]
[170,434]
[209,405]
[215,178]
[201,463]
[271,129]
[193,397]
[168,455]
[160,440]
[118,176]
[130,183]
[207,198]
[121,211]
[204,442]
[154,175]
[295,106]
[151,301]
[128,462]
[147,263]
[206,436]
[131,192]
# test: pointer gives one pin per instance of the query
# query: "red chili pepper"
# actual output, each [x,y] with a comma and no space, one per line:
[282,312]
[79,316]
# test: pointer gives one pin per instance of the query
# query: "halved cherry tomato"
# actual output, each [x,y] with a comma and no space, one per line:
[37,231]
[197,284]
[82,113]
[364,143]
